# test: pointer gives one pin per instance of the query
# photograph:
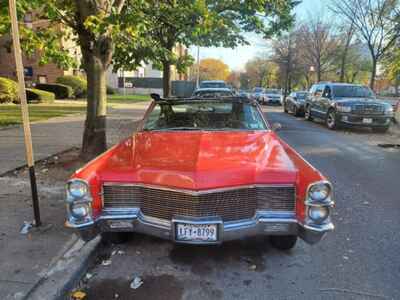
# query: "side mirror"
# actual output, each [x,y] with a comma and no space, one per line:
[155,97]
[276,126]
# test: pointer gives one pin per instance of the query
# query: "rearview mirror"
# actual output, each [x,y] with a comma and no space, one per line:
[276,126]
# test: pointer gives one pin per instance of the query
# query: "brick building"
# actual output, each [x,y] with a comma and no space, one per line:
[34,73]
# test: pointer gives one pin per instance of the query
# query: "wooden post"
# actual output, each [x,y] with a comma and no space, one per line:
[24,109]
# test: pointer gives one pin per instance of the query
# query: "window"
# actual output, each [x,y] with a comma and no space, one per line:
[327,92]
[204,115]
[318,90]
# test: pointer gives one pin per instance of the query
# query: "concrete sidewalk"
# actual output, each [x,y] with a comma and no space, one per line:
[25,260]
[59,134]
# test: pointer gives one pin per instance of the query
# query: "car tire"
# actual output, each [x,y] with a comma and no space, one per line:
[307,113]
[115,237]
[283,242]
[331,121]
[380,129]
[285,108]
[295,111]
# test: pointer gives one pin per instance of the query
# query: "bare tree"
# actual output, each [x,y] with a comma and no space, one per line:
[348,32]
[318,45]
[375,23]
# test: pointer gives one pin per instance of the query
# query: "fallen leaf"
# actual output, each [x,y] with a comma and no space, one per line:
[78,295]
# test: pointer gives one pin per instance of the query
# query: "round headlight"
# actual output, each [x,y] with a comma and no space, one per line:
[77,189]
[79,210]
[318,213]
[319,192]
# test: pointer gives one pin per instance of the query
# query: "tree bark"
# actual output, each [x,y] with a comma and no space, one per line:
[345,51]
[373,73]
[166,79]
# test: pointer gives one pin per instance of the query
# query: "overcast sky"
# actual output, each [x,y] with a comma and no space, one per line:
[237,58]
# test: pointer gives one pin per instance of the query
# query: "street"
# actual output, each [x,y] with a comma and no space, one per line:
[359,260]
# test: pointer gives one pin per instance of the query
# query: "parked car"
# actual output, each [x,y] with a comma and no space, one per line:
[258,94]
[213,84]
[201,171]
[342,104]
[273,96]
[243,93]
[295,103]
[213,92]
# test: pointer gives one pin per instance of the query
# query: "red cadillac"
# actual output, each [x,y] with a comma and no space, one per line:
[201,171]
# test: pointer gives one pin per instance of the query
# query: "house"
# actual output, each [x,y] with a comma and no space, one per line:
[34,72]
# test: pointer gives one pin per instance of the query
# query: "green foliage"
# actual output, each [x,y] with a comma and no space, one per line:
[77,83]
[60,90]
[8,90]
[39,96]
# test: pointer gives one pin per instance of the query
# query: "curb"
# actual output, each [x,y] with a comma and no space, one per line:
[65,271]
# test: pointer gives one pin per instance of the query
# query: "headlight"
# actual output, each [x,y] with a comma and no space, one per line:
[318,213]
[77,188]
[320,191]
[389,110]
[79,210]
[345,109]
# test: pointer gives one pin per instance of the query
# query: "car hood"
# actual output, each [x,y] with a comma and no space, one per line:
[354,101]
[200,160]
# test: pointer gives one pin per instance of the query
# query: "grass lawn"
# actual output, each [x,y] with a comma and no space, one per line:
[125,99]
[11,114]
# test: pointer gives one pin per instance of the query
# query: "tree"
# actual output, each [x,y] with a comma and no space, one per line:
[345,44]
[376,22]
[391,65]
[318,45]
[261,71]
[213,69]
[234,79]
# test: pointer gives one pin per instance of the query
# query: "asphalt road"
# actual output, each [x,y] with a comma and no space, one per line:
[360,260]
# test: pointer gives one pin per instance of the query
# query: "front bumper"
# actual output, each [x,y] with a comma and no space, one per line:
[358,120]
[263,223]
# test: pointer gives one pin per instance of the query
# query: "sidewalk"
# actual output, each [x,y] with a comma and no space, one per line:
[25,259]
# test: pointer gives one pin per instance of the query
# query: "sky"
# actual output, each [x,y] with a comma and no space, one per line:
[237,58]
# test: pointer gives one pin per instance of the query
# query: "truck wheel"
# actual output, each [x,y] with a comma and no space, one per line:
[380,129]
[283,242]
[115,237]
[285,108]
[331,121]
[307,113]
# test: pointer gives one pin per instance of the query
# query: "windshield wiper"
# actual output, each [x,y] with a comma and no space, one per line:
[179,128]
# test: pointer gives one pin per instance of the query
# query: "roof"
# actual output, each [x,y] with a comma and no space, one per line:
[210,81]
[213,90]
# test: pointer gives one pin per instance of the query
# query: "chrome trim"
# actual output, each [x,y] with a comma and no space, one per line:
[198,192]
[88,196]
[328,201]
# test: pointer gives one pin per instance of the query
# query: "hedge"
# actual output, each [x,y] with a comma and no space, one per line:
[39,96]
[77,83]
[8,90]
[60,90]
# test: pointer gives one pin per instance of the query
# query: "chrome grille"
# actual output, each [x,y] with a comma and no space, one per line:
[232,204]
[368,109]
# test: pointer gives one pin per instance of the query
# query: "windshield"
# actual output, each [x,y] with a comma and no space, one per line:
[204,115]
[212,85]
[269,91]
[301,95]
[258,90]
[213,94]
[352,91]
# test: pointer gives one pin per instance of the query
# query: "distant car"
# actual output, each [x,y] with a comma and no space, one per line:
[258,94]
[213,84]
[273,96]
[213,92]
[242,93]
[342,104]
[201,171]
[295,103]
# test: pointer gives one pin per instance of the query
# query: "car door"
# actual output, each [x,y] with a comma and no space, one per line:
[325,100]
[315,100]
[289,102]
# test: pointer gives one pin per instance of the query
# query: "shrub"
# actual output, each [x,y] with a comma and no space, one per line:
[8,90]
[60,90]
[39,96]
[111,91]
[77,83]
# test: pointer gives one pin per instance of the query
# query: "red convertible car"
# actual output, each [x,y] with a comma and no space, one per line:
[201,171]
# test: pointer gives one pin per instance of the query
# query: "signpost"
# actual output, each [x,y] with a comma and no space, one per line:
[24,109]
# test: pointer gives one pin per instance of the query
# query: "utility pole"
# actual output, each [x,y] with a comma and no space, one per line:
[24,109]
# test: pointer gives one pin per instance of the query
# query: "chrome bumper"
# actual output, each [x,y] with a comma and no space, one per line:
[264,223]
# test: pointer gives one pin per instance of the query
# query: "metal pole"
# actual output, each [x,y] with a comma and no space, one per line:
[24,110]
[198,67]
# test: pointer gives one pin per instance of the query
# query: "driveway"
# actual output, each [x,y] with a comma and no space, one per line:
[360,260]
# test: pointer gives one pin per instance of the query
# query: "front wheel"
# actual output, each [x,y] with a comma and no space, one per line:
[285,108]
[331,121]
[283,242]
[307,113]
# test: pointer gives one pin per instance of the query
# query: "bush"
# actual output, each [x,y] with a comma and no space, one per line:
[111,91]
[77,83]
[8,90]
[39,96]
[60,90]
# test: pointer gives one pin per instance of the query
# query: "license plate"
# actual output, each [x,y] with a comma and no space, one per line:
[196,232]
[367,120]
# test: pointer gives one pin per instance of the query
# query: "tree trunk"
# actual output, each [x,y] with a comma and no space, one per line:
[346,50]
[94,137]
[166,79]
[373,74]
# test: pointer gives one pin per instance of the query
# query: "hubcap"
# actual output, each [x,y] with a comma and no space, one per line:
[331,119]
